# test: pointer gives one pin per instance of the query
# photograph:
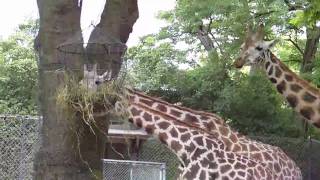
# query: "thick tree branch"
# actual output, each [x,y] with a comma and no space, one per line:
[295,61]
[206,41]
[260,14]
[295,45]
[293,7]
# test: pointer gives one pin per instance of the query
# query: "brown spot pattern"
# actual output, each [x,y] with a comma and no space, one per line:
[163,125]
[138,122]
[267,65]
[309,97]
[223,130]
[185,137]
[278,72]
[199,140]
[288,77]
[307,112]
[239,166]
[281,87]
[233,138]
[182,130]
[162,108]
[295,87]
[149,129]
[270,71]
[163,137]
[190,118]
[174,132]
[135,111]
[146,102]
[225,168]
[292,100]
[175,113]
[175,145]
[273,80]
[147,116]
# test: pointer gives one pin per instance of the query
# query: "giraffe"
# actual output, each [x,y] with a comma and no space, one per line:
[302,96]
[201,155]
[272,157]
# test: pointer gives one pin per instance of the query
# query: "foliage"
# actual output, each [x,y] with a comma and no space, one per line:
[309,15]
[254,106]
[248,101]
[18,71]
[150,57]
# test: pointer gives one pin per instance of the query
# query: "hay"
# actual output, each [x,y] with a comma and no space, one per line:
[77,100]
[93,108]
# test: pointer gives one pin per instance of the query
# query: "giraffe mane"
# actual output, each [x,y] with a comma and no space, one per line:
[174,119]
[305,83]
[178,107]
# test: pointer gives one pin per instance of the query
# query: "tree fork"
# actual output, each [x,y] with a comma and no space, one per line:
[57,157]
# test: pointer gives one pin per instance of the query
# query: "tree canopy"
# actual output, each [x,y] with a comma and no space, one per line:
[189,60]
[18,71]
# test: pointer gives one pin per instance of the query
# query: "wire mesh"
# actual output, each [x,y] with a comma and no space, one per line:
[18,143]
[133,170]
[153,150]
[304,152]
[19,139]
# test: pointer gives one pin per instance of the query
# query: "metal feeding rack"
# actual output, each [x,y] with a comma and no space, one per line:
[91,46]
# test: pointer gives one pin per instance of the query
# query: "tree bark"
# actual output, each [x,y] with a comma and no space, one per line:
[58,156]
[310,49]
[117,20]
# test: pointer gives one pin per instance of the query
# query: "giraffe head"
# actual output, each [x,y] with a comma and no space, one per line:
[91,78]
[252,50]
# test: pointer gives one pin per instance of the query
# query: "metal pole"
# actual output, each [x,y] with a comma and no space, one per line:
[163,172]
[131,167]
[309,158]
[22,164]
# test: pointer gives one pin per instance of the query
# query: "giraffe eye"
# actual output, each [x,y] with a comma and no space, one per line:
[259,48]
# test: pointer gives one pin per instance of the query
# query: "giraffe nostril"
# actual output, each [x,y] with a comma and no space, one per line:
[238,63]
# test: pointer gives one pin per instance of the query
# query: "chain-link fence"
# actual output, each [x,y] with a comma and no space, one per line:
[18,141]
[133,170]
[304,152]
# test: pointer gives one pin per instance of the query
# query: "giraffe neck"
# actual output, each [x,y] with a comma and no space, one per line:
[232,141]
[201,155]
[301,95]
[208,122]
[171,132]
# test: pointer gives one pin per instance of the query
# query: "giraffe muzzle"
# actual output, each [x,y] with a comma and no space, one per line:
[238,63]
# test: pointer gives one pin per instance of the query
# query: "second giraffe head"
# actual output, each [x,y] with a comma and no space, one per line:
[253,49]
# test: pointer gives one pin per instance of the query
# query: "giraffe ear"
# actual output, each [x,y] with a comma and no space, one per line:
[270,44]
[260,33]
[248,31]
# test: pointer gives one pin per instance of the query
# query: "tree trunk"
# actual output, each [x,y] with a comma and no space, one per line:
[310,49]
[58,156]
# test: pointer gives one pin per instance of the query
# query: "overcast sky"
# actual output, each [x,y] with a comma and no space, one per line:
[13,12]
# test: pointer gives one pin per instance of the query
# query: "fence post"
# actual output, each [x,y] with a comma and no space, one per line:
[22,147]
[131,169]
[309,157]
[163,172]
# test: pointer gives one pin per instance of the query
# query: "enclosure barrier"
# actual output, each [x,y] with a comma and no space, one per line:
[19,139]
[18,143]
[133,170]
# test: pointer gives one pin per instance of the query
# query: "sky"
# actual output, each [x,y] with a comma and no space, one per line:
[11,15]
